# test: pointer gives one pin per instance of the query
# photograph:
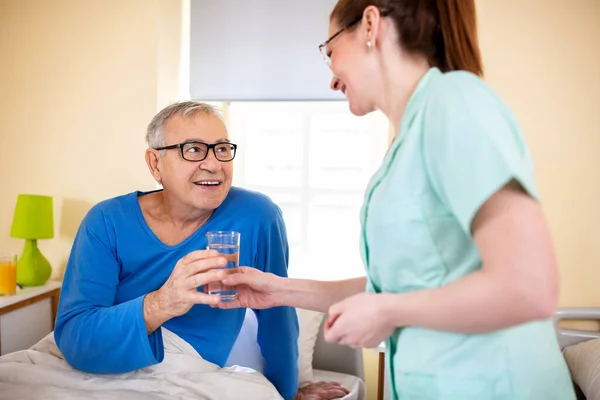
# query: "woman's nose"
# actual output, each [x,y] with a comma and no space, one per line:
[335,83]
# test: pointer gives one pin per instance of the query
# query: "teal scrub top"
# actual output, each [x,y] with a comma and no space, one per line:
[457,145]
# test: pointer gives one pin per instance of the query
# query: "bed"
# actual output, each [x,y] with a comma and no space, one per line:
[41,372]
[581,349]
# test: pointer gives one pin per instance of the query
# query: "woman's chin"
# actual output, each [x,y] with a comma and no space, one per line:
[358,109]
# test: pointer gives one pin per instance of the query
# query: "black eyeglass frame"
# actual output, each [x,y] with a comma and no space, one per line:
[180,146]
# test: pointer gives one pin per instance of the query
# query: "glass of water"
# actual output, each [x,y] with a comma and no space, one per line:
[228,244]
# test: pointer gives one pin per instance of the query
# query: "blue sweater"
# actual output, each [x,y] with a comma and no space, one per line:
[116,260]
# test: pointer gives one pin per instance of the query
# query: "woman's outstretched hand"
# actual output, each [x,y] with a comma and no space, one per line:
[255,289]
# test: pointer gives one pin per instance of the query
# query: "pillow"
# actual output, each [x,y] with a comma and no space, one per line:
[246,353]
[583,360]
[309,323]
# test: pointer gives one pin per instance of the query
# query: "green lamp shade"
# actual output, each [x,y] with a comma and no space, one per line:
[33,218]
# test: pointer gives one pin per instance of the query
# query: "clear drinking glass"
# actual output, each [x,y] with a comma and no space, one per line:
[228,244]
[8,274]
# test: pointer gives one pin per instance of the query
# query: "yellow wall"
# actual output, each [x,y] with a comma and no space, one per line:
[79,81]
[544,59]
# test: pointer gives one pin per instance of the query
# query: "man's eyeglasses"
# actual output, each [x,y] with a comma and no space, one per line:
[323,46]
[198,151]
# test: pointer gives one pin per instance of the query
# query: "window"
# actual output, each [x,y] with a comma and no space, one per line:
[314,159]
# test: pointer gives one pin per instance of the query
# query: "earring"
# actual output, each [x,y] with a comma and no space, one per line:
[369,45]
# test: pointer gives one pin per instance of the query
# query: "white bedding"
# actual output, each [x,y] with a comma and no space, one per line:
[41,372]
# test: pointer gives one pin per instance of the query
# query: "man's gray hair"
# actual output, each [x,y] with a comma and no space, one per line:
[155,135]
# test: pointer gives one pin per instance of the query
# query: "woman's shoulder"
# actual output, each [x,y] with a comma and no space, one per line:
[459,98]
[460,88]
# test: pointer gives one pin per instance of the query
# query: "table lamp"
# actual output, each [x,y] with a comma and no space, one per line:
[33,220]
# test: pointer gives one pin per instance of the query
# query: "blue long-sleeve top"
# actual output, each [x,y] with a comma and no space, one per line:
[116,260]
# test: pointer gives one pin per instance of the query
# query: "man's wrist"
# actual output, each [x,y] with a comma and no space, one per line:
[154,314]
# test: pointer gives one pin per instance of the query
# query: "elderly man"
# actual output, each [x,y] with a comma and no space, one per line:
[137,264]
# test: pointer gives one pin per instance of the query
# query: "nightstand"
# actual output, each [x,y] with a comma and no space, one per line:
[27,316]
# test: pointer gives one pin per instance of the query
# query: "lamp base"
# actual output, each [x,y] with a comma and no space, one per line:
[33,269]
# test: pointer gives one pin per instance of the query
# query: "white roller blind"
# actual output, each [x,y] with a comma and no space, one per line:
[259,50]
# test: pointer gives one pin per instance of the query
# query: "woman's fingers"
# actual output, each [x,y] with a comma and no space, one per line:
[242,276]
[334,313]
[333,333]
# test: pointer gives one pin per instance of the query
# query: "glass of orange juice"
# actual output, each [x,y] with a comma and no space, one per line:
[8,274]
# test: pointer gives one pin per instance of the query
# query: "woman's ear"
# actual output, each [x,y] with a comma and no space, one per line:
[370,24]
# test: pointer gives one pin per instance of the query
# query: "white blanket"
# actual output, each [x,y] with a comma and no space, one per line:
[41,373]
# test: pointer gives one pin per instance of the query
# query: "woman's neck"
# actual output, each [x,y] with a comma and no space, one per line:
[400,79]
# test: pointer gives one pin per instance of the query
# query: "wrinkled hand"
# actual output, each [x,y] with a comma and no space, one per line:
[180,291]
[321,391]
[358,321]
[255,289]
